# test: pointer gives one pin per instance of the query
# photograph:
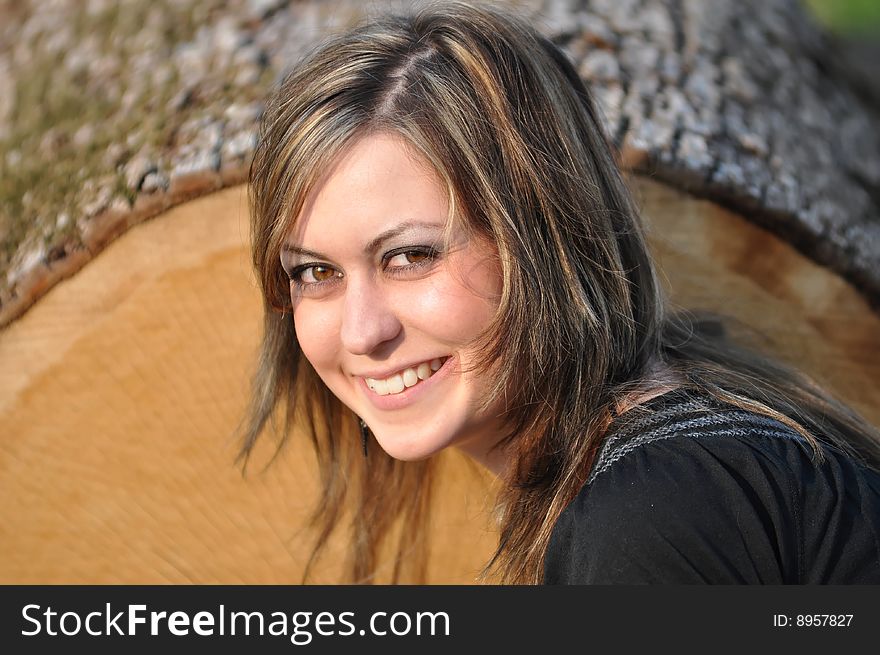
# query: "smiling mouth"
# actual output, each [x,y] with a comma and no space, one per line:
[409,377]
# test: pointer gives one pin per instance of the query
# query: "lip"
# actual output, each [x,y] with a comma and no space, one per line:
[382,375]
[410,394]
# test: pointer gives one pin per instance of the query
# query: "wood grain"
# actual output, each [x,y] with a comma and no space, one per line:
[121,389]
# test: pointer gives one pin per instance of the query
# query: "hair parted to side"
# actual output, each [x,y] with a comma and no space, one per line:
[504,120]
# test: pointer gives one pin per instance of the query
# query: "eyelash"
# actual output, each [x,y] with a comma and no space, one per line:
[429,253]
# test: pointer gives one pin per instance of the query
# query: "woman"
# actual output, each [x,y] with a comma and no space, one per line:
[449,257]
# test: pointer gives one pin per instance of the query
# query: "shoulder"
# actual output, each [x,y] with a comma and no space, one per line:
[690,496]
[696,431]
[684,509]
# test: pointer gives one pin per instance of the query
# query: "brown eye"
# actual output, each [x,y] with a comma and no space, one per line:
[414,256]
[410,258]
[311,276]
[321,273]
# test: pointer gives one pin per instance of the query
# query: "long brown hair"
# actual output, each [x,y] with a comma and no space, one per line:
[507,124]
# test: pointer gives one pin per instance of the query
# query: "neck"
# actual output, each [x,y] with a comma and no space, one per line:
[659,379]
[481,449]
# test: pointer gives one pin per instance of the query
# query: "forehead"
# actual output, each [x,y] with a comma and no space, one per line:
[376,183]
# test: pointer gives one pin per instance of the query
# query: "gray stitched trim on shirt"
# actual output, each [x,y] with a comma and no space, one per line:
[659,415]
[660,420]
[730,423]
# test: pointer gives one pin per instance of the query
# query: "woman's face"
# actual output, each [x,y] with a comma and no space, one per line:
[383,313]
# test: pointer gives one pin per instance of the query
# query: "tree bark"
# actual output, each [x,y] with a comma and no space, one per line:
[743,102]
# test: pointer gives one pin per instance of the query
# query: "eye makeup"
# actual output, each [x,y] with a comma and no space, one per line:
[317,276]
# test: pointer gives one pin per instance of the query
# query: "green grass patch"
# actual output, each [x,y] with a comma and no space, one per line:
[848,17]
[44,175]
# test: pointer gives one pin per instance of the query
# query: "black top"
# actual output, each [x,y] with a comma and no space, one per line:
[680,494]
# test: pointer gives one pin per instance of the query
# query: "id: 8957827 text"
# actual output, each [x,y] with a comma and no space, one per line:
[812,620]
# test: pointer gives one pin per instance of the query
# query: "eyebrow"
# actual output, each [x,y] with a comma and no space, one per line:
[374,243]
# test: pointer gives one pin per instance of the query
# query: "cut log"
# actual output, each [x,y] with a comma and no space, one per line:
[121,388]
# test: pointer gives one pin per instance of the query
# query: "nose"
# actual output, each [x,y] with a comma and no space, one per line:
[367,318]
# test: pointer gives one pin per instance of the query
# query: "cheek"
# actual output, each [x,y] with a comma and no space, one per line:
[317,335]
[454,311]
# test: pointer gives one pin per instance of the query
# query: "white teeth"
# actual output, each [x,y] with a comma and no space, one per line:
[408,378]
[395,383]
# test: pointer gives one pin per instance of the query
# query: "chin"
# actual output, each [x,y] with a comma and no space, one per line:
[410,449]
